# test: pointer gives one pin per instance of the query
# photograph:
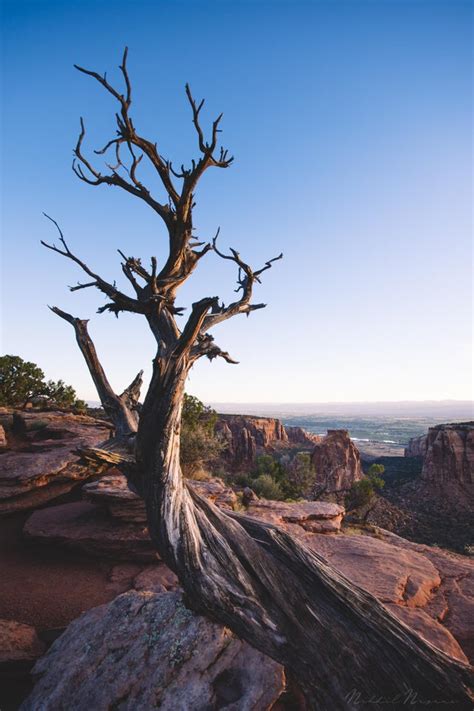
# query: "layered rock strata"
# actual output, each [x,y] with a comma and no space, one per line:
[336,461]
[41,464]
[449,456]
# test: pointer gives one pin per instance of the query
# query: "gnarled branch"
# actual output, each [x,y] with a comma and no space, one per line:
[118,408]
[245,281]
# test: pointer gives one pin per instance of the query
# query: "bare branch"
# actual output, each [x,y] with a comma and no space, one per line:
[127,133]
[122,302]
[205,346]
[117,409]
[194,324]
[134,188]
[245,282]
[131,395]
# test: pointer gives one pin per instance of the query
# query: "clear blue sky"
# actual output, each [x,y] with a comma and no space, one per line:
[350,123]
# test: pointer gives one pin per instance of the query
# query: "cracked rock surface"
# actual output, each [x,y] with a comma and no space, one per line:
[146,650]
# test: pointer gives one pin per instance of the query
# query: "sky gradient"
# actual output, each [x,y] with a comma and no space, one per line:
[351,127]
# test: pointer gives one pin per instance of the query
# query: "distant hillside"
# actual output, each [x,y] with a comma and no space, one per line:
[440,410]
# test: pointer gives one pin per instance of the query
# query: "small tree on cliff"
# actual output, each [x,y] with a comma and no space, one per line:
[279,596]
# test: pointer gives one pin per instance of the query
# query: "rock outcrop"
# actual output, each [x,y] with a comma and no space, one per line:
[299,436]
[88,528]
[429,589]
[449,456]
[246,436]
[146,650]
[312,516]
[416,446]
[41,464]
[336,461]
[112,521]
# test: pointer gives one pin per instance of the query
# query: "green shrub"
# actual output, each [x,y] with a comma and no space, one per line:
[265,486]
[199,443]
[22,381]
[362,492]
[301,476]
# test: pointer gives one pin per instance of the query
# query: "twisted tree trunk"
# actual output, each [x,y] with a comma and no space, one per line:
[339,643]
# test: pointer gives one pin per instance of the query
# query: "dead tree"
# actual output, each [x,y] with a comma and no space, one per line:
[342,646]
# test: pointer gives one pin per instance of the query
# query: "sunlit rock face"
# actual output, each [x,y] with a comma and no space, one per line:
[247,436]
[449,454]
[244,434]
[336,461]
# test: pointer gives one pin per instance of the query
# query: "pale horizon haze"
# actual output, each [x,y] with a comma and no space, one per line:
[351,125]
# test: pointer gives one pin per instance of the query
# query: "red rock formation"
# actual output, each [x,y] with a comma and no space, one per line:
[297,435]
[429,589]
[42,465]
[449,454]
[336,460]
[246,436]
[416,446]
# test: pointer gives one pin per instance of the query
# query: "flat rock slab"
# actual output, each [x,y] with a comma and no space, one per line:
[146,650]
[88,528]
[43,464]
[312,516]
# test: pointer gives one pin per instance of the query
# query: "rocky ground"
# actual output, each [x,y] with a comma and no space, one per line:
[73,544]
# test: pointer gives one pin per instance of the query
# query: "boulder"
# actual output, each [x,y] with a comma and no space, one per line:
[146,650]
[42,465]
[312,516]
[336,461]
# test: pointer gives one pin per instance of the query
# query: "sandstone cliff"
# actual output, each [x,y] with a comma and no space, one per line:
[449,454]
[246,436]
[416,446]
[336,460]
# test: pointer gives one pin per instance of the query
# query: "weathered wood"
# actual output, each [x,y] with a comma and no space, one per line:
[342,646]
[336,639]
[122,409]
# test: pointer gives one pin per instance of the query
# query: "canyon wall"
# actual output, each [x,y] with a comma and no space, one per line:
[246,436]
[449,455]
